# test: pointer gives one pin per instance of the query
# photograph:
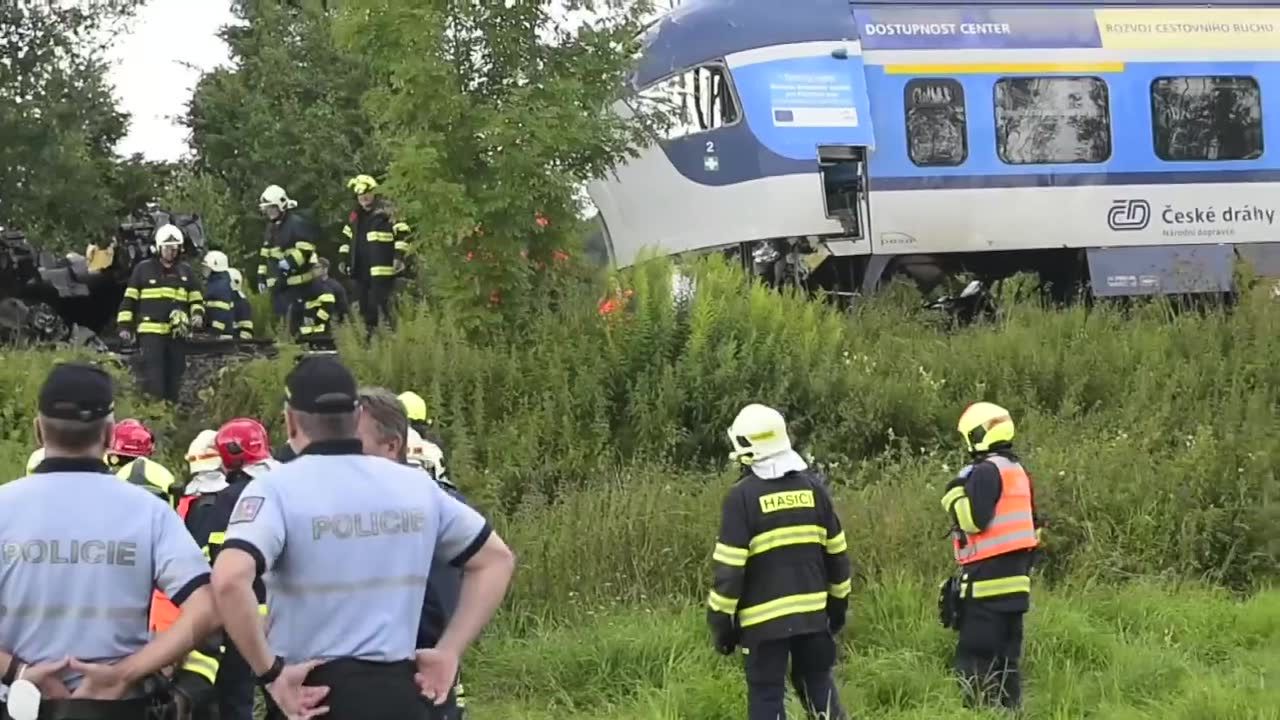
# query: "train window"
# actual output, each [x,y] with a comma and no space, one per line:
[691,102]
[936,126]
[1207,118]
[1041,120]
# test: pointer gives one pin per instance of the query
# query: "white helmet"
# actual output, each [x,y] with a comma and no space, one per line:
[202,454]
[34,460]
[759,432]
[216,261]
[237,280]
[423,454]
[275,196]
[168,236]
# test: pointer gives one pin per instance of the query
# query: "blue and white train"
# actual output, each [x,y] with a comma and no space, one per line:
[1122,144]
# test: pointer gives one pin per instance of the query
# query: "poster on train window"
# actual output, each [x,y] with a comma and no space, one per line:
[812,99]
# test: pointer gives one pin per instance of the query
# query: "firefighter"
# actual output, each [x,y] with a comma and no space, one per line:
[242,312]
[782,574]
[220,298]
[991,504]
[416,408]
[287,256]
[129,457]
[326,283]
[162,302]
[244,452]
[374,251]
[320,312]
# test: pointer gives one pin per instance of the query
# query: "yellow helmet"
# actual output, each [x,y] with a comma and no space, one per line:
[758,432]
[362,184]
[414,406]
[984,424]
[34,460]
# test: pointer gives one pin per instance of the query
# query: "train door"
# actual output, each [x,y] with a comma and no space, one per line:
[843,171]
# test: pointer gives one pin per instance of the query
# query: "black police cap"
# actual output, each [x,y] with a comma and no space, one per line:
[321,385]
[76,391]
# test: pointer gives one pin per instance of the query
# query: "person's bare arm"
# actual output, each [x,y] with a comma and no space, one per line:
[485,578]
[233,574]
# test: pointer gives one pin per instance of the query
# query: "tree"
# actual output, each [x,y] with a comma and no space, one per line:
[493,114]
[60,179]
[288,113]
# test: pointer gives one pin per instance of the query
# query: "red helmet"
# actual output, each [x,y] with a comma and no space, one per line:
[132,439]
[241,442]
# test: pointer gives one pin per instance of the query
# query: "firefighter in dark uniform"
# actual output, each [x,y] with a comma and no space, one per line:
[782,573]
[287,256]
[163,302]
[995,533]
[242,312]
[326,284]
[374,251]
[245,451]
[226,310]
[320,312]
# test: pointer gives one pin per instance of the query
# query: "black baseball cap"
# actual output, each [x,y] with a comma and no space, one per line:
[321,385]
[77,391]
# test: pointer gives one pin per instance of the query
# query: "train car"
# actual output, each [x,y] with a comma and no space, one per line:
[1122,145]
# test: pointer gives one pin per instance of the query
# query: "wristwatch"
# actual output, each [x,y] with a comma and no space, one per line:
[272,672]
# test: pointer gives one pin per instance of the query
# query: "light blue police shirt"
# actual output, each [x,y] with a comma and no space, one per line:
[345,542]
[80,553]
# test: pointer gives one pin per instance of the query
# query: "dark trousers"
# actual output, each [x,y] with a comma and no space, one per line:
[988,652]
[288,303]
[812,658]
[164,360]
[234,686]
[361,690]
[374,297]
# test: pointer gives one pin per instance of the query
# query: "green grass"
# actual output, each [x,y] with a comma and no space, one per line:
[1142,651]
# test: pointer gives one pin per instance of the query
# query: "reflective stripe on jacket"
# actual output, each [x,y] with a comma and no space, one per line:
[1012,527]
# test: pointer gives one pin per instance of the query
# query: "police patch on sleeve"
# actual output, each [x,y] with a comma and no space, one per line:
[246,510]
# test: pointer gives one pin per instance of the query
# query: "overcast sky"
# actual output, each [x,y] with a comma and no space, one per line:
[150,80]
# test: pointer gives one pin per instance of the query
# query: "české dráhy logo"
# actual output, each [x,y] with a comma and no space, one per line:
[1129,214]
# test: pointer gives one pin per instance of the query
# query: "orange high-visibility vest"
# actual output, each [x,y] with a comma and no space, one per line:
[1012,527]
[163,612]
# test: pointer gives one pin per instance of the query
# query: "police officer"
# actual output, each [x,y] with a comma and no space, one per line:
[244,451]
[384,432]
[162,302]
[99,558]
[991,504]
[349,540]
[782,575]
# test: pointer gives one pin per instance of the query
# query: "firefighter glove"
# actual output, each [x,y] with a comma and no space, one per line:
[262,286]
[724,636]
[342,268]
[837,612]
[126,337]
[283,265]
